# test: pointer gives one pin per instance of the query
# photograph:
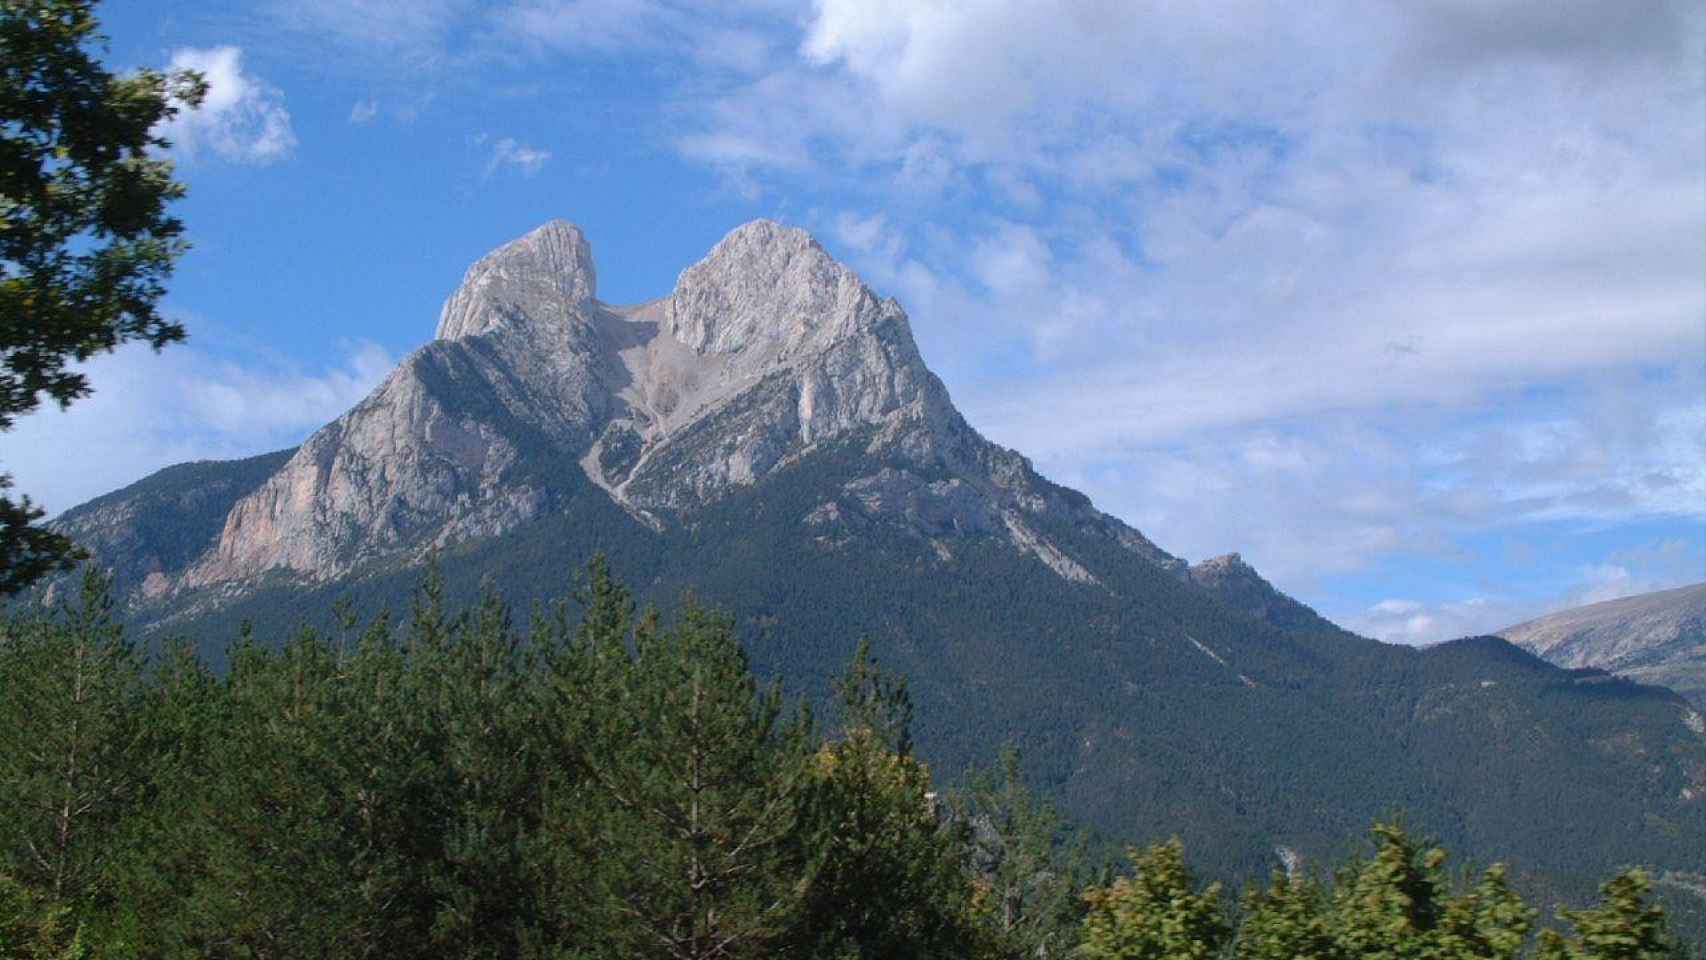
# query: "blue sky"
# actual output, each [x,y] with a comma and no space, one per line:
[1405,301]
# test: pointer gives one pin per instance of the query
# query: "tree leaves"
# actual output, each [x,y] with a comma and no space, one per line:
[612,786]
[86,245]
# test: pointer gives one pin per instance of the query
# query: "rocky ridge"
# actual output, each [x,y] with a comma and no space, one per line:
[1657,638]
[766,350]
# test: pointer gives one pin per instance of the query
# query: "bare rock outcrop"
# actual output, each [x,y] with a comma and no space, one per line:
[765,351]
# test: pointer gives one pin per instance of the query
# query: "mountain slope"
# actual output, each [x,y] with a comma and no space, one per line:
[1657,638]
[147,532]
[768,435]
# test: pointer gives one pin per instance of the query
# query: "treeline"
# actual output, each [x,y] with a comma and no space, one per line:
[599,783]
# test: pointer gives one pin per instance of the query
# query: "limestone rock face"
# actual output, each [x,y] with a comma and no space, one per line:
[536,279]
[765,351]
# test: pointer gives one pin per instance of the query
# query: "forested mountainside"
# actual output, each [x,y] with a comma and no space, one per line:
[768,436]
[602,782]
[1657,638]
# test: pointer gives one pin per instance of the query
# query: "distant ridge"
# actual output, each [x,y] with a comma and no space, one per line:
[1657,638]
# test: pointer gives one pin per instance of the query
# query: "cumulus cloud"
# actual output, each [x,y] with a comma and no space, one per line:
[242,119]
[152,410]
[1401,271]
[1398,273]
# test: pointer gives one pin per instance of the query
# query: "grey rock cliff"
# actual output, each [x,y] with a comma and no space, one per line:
[766,350]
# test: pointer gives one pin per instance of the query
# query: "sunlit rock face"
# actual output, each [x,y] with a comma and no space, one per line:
[766,350]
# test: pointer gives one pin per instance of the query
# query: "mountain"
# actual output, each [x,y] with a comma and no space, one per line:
[768,435]
[1657,638]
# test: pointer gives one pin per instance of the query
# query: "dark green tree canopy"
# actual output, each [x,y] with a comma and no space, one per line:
[86,243]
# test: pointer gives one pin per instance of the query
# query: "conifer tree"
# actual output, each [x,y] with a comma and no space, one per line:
[1623,927]
[1487,922]
[1286,921]
[1155,914]
[884,873]
[1029,888]
[70,759]
[700,780]
[1387,907]
[577,671]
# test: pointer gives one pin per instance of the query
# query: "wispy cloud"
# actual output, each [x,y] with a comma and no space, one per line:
[511,154]
[363,112]
[410,34]
[242,119]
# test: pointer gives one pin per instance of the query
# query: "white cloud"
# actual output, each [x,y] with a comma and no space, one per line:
[1397,273]
[1662,565]
[152,410]
[363,112]
[507,152]
[410,33]
[1396,608]
[242,119]
[729,37]
[1401,270]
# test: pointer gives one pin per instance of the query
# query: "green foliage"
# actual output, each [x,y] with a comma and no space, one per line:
[612,784]
[702,774]
[1398,905]
[71,747]
[1157,913]
[86,244]
[883,872]
[1118,716]
[1488,921]
[1386,908]
[1623,927]
[1286,921]
[1029,878]
[33,930]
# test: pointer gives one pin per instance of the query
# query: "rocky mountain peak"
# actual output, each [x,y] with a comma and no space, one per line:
[540,277]
[766,352]
[770,289]
[1226,563]
[1238,585]
[1226,572]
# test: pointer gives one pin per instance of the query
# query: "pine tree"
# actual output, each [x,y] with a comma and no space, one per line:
[1387,907]
[1487,922]
[1155,914]
[884,872]
[1030,887]
[71,763]
[1623,927]
[1286,921]
[698,783]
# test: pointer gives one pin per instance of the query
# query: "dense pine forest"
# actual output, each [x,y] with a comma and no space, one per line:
[1118,714]
[597,782]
